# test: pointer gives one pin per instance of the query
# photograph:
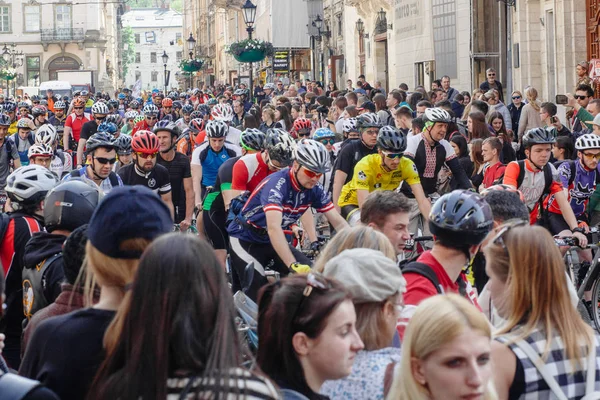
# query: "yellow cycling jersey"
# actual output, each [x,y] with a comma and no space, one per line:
[370,175]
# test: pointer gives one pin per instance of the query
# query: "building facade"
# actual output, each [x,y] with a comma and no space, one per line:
[156,31]
[61,35]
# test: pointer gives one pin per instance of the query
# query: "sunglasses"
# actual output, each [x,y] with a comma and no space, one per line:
[327,141]
[151,118]
[35,102]
[499,238]
[491,74]
[516,97]
[104,160]
[590,156]
[314,280]
[303,134]
[146,155]
[311,174]
[392,155]
[581,97]
[77,108]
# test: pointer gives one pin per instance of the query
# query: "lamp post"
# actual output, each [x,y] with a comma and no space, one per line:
[249,12]
[191,45]
[165,58]
[318,23]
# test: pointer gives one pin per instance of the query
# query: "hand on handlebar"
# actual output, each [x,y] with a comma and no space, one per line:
[584,226]
[300,268]
[583,242]
[315,246]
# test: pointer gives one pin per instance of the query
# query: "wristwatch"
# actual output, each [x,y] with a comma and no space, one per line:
[578,229]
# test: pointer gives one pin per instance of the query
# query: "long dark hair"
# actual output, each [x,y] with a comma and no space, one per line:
[279,319]
[177,318]
[480,129]
[285,116]
[497,115]
[461,142]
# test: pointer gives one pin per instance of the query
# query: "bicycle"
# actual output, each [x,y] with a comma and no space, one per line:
[192,229]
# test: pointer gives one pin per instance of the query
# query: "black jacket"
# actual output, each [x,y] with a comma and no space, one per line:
[40,247]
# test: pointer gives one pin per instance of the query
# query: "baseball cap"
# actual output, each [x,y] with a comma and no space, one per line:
[128,212]
[595,121]
[368,274]
[367,105]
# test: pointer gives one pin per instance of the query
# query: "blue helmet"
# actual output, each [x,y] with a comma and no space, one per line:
[108,127]
[323,133]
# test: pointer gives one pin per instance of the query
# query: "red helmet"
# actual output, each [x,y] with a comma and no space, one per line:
[167,102]
[145,142]
[79,102]
[502,186]
[302,124]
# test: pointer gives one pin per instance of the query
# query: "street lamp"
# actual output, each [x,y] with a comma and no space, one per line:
[360,26]
[249,12]
[165,58]
[191,45]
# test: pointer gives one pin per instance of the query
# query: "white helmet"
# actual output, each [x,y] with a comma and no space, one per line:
[587,141]
[100,108]
[350,125]
[269,86]
[28,185]
[312,155]
[436,115]
[216,129]
[131,114]
[46,134]
[40,149]
[280,146]
[222,112]
[150,109]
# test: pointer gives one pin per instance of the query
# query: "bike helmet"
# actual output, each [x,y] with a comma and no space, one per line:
[167,102]
[78,102]
[145,142]
[100,108]
[134,104]
[212,102]
[222,112]
[312,155]
[196,92]
[461,218]
[5,120]
[40,149]
[539,136]
[35,97]
[60,105]
[390,139]
[113,104]
[323,133]
[368,120]
[280,146]
[197,125]
[302,124]
[187,109]
[196,115]
[150,109]
[85,93]
[46,134]
[44,102]
[99,139]
[169,126]
[434,115]
[38,110]
[123,145]
[28,185]
[239,92]
[10,106]
[121,96]
[203,109]
[269,86]
[24,123]
[503,187]
[71,204]
[115,119]
[587,141]
[24,104]
[252,139]
[139,118]
[216,129]
[108,127]
[131,114]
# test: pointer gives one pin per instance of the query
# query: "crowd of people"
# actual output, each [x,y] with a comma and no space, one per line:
[303,201]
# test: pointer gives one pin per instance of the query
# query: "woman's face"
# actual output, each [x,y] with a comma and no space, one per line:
[460,369]
[332,353]
[497,124]
[331,85]
[295,113]
[277,115]
[467,99]
[580,70]
[456,148]
[558,153]
[470,124]
[498,291]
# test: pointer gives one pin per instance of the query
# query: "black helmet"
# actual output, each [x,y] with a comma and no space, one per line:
[252,139]
[123,144]
[70,205]
[390,139]
[539,136]
[461,217]
[99,139]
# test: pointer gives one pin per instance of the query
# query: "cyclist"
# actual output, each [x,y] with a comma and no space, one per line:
[127,127]
[39,116]
[459,221]
[26,188]
[58,120]
[150,112]
[8,154]
[217,202]
[99,113]
[186,117]
[100,155]
[144,170]
[277,203]
[62,162]
[224,112]
[369,125]
[535,177]
[383,171]
[301,128]
[40,154]
[123,147]
[430,151]
[10,108]
[350,132]
[167,110]
[187,143]
[326,137]
[24,109]
[180,175]
[73,126]
[24,139]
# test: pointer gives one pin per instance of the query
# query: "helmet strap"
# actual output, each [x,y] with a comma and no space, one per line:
[93,167]
[532,163]
[296,177]
[435,142]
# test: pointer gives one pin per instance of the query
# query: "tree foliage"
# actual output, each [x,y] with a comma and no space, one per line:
[128,50]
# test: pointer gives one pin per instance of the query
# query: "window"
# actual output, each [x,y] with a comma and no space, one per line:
[32,18]
[137,38]
[153,57]
[138,75]
[138,58]
[444,37]
[33,70]
[62,17]
[4,18]
[340,27]
[154,76]
[179,56]
[178,36]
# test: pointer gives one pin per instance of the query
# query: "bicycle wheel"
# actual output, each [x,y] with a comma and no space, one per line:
[596,303]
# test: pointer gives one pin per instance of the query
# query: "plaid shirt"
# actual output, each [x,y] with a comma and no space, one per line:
[569,375]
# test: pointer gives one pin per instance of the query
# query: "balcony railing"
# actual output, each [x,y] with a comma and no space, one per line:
[63,35]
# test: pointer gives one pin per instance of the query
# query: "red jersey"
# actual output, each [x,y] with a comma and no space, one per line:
[419,288]
[249,171]
[493,174]
[75,123]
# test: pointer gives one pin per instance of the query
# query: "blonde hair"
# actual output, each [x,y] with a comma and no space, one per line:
[361,236]
[536,288]
[371,323]
[437,321]
[531,94]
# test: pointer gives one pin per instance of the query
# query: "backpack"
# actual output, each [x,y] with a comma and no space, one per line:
[112,177]
[30,139]
[547,177]
[390,119]
[34,284]
[15,387]
[427,272]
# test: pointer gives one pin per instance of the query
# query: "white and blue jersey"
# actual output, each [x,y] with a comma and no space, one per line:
[113,180]
[210,160]
[277,192]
